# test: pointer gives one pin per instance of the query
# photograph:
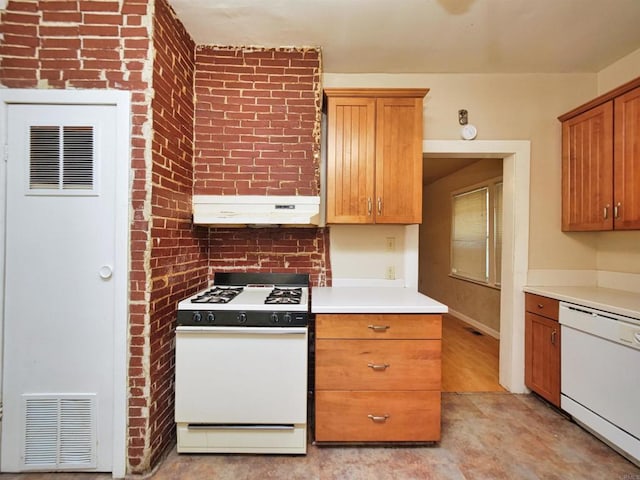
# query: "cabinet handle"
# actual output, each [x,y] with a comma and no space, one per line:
[369,206]
[378,367]
[540,305]
[553,336]
[379,205]
[616,210]
[606,212]
[378,418]
[378,328]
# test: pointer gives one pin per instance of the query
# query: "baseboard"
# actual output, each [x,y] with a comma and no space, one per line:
[475,323]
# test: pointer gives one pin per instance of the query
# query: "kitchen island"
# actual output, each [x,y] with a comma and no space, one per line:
[378,365]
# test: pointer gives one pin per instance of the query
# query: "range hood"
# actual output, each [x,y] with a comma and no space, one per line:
[256,210]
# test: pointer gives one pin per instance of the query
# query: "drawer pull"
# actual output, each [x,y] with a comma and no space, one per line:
[378,418]
[378,367]
[379,328]
[540,305]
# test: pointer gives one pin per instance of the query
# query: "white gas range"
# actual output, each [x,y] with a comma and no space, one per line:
[241,365]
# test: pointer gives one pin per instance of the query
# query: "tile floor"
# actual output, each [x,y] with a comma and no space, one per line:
[484,436]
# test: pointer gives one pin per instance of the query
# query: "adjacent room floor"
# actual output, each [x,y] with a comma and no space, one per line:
[470,358]
[485,435]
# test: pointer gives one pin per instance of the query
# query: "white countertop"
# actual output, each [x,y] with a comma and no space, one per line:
[372,300]
[615,301]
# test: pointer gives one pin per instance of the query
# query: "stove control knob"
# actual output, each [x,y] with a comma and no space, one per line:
[287,317]
[197,317]
[211,317]
[274,318]
[242,317]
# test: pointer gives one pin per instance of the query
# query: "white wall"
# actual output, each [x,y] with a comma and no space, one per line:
[361,254]
[622,71]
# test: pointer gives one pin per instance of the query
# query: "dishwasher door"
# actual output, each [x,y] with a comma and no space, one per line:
[600,378]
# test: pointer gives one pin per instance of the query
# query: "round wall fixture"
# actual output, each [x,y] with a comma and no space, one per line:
[469,132]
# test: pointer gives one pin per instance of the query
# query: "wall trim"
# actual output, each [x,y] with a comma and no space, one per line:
[516,155]
[122,101]
[475,323]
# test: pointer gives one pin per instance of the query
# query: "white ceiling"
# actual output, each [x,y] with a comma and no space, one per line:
[427,36]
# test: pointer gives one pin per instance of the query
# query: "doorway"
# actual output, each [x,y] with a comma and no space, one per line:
[460,258]
[64,309]
[516,161]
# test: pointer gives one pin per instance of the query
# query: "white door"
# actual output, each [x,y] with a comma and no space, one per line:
[58,379]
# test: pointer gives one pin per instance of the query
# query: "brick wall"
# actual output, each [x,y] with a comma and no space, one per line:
[257,121]
[295,250]
[179,252]
[257,132]
[98,44]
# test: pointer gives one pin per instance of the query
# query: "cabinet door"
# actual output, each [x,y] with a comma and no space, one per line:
[542,357]
[627,161]
[587,170]
[398,160]
[350,160]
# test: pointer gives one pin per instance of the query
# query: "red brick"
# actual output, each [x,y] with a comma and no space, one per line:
[98,6]
[58,31]
[21,18]
[17,51]
[21,40]
[58,6]
[21,6]
[99,30]
[102,19]
[70,17]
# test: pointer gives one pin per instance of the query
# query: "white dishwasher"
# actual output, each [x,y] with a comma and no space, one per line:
[600,375]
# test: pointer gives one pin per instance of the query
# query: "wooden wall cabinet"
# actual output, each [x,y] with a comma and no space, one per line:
[601,163]
[378,378]
[542,347]
[374,155]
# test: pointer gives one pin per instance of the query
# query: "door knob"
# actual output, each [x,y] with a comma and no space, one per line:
[105,272]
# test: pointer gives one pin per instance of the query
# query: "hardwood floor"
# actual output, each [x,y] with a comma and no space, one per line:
[469,360]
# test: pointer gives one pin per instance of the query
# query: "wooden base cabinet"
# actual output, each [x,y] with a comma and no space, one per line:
[378,378]
[542,347]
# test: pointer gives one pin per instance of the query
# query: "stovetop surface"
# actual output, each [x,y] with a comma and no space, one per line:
[249,299]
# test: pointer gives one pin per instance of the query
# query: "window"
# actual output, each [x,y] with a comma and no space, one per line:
[476,233]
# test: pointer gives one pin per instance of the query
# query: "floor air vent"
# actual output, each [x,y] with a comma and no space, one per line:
[59,432]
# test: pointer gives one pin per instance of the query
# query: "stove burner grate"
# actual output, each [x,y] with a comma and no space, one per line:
[282,295]
[218,295]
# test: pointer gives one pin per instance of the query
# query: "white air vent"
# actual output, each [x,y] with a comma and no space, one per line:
[61,159]
[59,432]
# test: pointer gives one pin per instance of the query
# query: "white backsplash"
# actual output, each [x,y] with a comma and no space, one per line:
[629,282]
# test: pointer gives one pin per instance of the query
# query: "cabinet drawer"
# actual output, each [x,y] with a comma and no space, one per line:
[547,307]
[377,416]
[378,364]
[379,326]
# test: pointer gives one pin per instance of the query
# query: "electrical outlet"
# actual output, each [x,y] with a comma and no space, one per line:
[391,243]
[391,272]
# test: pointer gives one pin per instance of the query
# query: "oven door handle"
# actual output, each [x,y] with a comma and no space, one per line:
[214,426]
[242,330]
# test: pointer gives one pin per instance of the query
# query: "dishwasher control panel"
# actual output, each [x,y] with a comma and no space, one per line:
[616,328]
